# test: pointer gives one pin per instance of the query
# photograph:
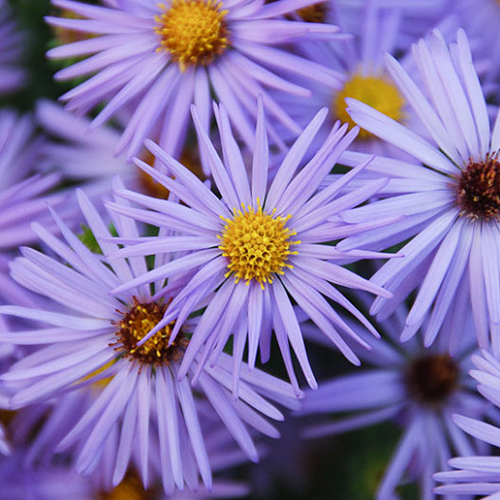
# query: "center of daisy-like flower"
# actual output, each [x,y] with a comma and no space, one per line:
[315,13]
[192,31]
[140,319]
[257,244]
[479,189]
[129,489]
[376,91]
[432,379]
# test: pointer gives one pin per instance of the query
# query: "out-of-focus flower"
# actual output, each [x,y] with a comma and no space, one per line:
[12,76]
[479,20]
[477,475]
[450,202]
[162,57]
[50,482]
[87,335]
[359,59]
[416,387]
[24,194]
[256,247]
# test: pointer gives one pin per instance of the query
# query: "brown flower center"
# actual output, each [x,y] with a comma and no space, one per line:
[478,193]
[140,319]
[432,379]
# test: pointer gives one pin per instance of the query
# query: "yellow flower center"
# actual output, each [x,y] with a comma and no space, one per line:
[192,31]
[137,323]
[257,244]
[129,489]
[376,91]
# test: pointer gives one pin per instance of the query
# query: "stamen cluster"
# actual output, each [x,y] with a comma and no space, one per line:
[257,244]
[137,323]
[192,31]
[432,379]
[375,91]
[479,189]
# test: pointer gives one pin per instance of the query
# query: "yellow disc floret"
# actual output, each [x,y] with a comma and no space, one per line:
[376,91]
[257,244]
[192,31]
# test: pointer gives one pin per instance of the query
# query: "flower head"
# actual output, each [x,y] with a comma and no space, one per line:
[449,194]
[86,335]
[159,58]
[12,76]
[475,474]
[415,387]
[258,244]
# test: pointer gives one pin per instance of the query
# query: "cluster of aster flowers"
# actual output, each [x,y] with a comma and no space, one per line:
[248,224]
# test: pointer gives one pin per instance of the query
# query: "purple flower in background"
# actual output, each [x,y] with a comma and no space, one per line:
[480,19]
[450,203]
[79,153]
[86,335]
[49,482]
[159,58]
[478,475]
[359,59]
[12,76]
[38,429]
[256,246]
[24,195]
[415,387]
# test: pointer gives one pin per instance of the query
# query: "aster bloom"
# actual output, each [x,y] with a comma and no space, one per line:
[88,335]
[159,58]
[359,59]
[24,196]
[50,482]
[12,76]
[480,20]
[478,475]
[255,244]
[418,388]
[449,199]
[80,153]
[37,430]
[87,156]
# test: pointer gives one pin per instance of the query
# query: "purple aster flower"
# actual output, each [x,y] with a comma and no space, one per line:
[81,154]
[478,475]
[50,482]
[86,335]
[87,156]
[38,429]
[449,200]
[480,19]
[23,196]
[12,76]
[160,58]
[360,61]
[415,387]
[258,244]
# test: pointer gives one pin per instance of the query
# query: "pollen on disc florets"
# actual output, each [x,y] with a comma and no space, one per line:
[136,323]
[192,31]
[375,91]
[256,244]
[478,193]
[432,379]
